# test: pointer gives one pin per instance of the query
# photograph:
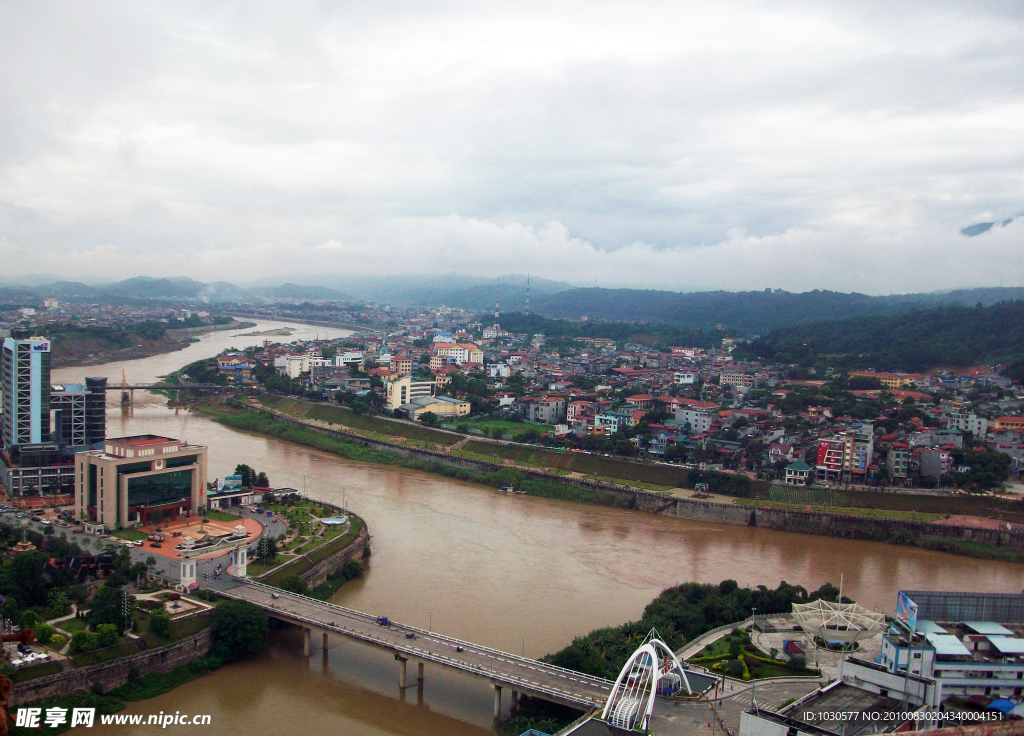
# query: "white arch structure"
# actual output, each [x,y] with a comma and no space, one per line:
[632,698]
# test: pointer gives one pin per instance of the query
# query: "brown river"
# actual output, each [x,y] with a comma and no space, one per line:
[518,573]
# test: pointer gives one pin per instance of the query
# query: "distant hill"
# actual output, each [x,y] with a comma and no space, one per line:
[294,291]
[452,290]
[178,288]
[912,341]
[144,287]
[751,312]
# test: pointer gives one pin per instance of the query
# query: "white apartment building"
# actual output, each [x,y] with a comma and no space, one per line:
[348,360]
[977,426]
[459,353]
[403,390]
[685,378]
[737,379]
[297,365]
[698,419]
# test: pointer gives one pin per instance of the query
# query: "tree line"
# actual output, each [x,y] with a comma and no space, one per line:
[915,341]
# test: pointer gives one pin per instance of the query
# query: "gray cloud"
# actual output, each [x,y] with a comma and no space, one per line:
[736,146]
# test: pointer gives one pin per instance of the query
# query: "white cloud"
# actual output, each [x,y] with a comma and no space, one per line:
[735,145]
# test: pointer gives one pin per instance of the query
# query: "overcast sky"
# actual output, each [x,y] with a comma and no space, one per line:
[686,146]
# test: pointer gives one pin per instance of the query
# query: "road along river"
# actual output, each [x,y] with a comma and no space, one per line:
[517,573]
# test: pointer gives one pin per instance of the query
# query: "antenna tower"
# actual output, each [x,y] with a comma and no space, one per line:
[527,293]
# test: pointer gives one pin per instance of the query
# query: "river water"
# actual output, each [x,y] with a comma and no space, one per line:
[518,573]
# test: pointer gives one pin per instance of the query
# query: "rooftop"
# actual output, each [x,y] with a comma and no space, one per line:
[141,440]
[988,628]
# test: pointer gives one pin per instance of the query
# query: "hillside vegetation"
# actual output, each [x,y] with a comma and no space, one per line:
[660,335]
[750,312]
[680,614]
[916,341]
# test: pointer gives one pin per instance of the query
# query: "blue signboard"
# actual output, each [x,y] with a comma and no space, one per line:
[906,611]
[232,481]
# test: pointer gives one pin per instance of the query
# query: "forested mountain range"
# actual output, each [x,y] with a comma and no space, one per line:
[750,312]
[913,341]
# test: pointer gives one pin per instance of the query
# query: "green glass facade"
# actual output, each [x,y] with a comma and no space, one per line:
[159,490]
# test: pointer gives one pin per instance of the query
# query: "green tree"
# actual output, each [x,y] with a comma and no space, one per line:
[266,549]
[247,473]
[43,633]
[239,629]
[83,641]
[262,480]
[108,607]
[429,418]
[160,623]
[293,584]
[24,578]
[107,635]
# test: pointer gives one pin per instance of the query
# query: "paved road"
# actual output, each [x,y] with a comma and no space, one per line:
[507,670]
[165,566]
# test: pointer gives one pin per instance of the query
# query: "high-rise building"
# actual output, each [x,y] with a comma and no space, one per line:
[95,410]
[846,456]
[138,480]
[79,413]
[25,369]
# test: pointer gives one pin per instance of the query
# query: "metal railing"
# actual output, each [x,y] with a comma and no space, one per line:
[587,680]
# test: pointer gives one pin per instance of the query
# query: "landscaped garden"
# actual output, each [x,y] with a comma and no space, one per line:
[735,655]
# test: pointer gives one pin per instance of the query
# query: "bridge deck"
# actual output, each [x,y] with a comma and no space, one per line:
[524,675]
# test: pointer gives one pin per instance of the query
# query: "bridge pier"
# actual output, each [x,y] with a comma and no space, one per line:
[497,701]
[402,662]
[514,705]
[419,673]
[306,634]
[325,642]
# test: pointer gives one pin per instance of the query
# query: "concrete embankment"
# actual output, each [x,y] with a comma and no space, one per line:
[793,520]
[115,673]
[317,572]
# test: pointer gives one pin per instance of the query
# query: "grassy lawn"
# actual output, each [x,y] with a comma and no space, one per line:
[297,569]
[31,673]
[258,568]
[487,424]
[717,648]
[850,510]
[337,543]
[72,625]
[295,543]
[220,515]
[361,422]
[333,531]
[123,649]
[132,535]
[183,627]
[771,669]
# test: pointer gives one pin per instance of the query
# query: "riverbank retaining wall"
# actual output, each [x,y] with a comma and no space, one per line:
[319,573]
[115,673]
[794,520]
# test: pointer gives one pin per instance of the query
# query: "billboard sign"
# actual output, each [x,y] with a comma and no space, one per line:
[232,481]
[906,611]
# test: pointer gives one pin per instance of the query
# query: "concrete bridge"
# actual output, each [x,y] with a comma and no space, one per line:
[518,674]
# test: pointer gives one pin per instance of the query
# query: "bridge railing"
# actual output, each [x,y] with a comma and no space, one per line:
[507,678]
[599,682]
